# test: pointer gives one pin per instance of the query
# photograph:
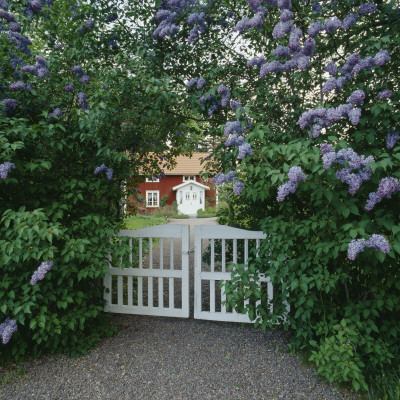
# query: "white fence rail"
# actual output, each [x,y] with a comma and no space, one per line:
[126,290]
[209,296]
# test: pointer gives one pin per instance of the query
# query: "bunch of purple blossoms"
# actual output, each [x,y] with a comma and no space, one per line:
[331,68]
[69,88]
[256,21]
[41,67]
[78,70]
[385,94]
[387,186]
[234,127]
[221,178]
[391,139]
[19,85]
[199,22]
[101,168]
[56,113]
[377,242]
[214,107]
[238,187]
[11,105]
[354,162]
[4,5]
[244,150]
[7,328]
[255,61]
[236,105]
[357,98]
[201,83]
[367,8]
[41,272]
[191,82]
[295,175]
[20,42]
[5,168]
[224,91]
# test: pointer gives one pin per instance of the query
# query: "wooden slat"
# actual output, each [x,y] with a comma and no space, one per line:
[130,291]
[161,292]
[212,296]
[161,253]
[151,253]
[120,289]
[212,244]
[235,251]
[150,291]
[223,249]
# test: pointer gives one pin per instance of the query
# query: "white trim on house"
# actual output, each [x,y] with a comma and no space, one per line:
[157,193]
[190,183]
[189,178]
[149,180]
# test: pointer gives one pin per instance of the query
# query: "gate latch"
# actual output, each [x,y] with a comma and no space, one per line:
[188,252]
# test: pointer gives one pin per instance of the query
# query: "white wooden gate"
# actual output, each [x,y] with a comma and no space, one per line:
[152,288]
[125,289]
[208,276]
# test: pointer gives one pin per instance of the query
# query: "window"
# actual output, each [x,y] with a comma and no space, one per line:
[187,195]
[195,196]
[153,179]
[152,198]
[187,178]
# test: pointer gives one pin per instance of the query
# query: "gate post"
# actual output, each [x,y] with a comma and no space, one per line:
[185,270]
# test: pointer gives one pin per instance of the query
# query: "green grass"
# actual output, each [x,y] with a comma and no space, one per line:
[143,221]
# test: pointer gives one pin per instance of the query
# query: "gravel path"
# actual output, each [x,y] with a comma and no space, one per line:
[154,358]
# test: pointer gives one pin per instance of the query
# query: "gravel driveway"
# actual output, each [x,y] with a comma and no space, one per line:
[154,358]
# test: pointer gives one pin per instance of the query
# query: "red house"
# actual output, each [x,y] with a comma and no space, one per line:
[181,184]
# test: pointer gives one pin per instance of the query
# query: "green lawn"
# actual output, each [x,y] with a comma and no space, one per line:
[142,221]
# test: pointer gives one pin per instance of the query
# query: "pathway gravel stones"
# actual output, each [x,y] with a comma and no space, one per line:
[154,358]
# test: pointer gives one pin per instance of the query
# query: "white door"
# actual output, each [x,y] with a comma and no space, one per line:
[190,200]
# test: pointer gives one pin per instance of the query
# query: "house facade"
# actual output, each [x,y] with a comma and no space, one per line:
[182,184]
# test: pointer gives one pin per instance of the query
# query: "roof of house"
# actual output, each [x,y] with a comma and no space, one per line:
[188,165]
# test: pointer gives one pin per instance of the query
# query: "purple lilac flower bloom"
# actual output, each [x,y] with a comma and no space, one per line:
[354,116]
[357,97]
[231,140]
[295,35]
[5,169]
[303,63]
[3,5]
[332,25]
[339,83]
[201,83]
[19,85]
[355,246]
[353,180]
[223,90]
[286,15]
[202,100]
[35,5]
[284,4]
[233,127]
[385,94]
[333,115]
[235,105]
[315,28]
[57,112]
[244,150]
[90,24]
[367,8]
[41,72]
[69,88]
[326,148]
[15,27]
[256,62]
[7,16]
[366,64]
[296,174]
[328,159]
[191,82]
[100,168]
[391,139]
[7,328]
[212,109]
[308,48]
[281,51]
[238,187]
[351,61]
[40,61]
[373,199]
[257,21]
[387,186]
[285,189]
[378,242]
[77,69]
[273,66]
[29,68]
[243,25]
[82,97]
[281,29]
[85,79]
[11,104]
[349,21]
[329,85]
[382,57]
[41,272]
[331,68]
[225,100]
[109,173]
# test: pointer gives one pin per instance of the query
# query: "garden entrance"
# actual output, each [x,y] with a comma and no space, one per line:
[155,274]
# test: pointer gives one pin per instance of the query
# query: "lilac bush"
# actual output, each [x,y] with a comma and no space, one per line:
[7,329]
[41,272]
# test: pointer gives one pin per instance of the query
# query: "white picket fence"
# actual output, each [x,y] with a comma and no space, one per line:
[208,275]
[129,292]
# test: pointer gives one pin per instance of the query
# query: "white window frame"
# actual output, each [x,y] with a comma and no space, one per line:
[157,192]
[189,178]
[152,179]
